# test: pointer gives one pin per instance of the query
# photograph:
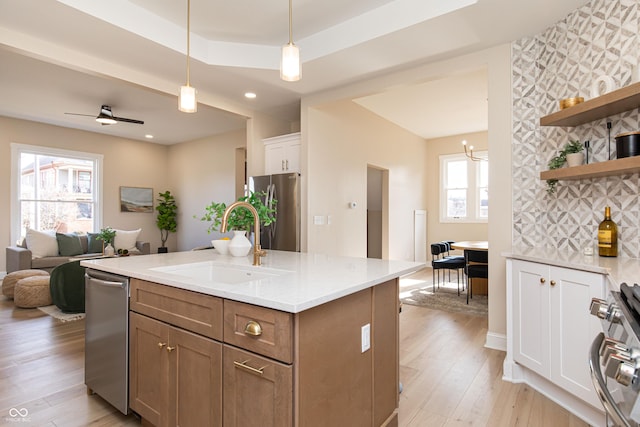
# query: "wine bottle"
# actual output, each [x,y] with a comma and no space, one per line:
[607,235]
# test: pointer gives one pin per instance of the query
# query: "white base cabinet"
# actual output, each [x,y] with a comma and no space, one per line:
[282,154]
[550,326]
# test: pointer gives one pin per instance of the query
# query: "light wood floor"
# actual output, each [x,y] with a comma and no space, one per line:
[449,378]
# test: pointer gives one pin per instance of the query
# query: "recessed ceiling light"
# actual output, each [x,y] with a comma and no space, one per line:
[250,95]
[148,136]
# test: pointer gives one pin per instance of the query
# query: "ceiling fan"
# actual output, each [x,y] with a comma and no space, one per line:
[106,117]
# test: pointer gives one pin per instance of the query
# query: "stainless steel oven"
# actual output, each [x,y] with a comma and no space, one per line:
[614,359]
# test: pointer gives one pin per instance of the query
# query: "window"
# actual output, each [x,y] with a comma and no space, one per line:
[464,188]
[54,189]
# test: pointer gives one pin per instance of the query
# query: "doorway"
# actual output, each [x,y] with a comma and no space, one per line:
[377,212]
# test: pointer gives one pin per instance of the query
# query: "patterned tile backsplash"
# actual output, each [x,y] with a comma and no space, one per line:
[599,39]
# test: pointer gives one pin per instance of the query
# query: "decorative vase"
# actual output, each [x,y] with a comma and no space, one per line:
[239,245]
[575,159]
[108,250]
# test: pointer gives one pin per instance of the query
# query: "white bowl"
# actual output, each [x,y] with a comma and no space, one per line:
[221,245]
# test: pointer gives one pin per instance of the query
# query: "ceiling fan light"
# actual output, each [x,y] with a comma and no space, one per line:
[105,120]
[187,100]
[290,69]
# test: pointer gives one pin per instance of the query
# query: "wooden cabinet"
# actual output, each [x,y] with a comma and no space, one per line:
[175,367]
[552,326]
[282,154]
[273,333]
[176,375]
[148,369]
[269,368]
[615,102]
[257,391]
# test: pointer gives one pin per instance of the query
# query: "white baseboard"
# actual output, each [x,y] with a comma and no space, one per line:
[496,341]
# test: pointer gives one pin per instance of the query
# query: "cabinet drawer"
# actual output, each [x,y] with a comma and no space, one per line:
[258,391]
[272,330]
[189,310]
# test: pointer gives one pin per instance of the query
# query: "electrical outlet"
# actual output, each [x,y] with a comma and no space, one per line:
[366,337]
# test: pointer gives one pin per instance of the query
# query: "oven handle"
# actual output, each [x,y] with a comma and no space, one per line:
[600,385]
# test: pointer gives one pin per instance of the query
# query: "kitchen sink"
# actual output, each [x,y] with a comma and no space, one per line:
[209,271]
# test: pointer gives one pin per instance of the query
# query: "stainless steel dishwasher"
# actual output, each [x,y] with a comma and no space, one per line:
[106,358]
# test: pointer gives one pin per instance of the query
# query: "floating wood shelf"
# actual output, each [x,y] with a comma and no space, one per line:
[609,104]
[595,170]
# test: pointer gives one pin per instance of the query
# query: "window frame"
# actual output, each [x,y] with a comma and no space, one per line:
[473,188]
[97,189]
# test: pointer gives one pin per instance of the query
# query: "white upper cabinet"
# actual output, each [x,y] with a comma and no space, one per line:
[282,154]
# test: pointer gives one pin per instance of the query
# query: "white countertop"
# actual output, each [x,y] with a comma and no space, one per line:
[300,280]
[617,269]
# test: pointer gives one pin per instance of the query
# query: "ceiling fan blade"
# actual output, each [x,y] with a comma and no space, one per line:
[106,117]
[122,119]
[78,114]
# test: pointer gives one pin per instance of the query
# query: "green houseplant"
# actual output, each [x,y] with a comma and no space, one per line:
[240,218]
[559,161]
[166,219]
[107,235]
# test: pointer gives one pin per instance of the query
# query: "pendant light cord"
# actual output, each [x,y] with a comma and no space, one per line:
[290,22]
[188,37]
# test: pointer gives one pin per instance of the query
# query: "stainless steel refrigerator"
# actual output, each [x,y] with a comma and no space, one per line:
[284,233]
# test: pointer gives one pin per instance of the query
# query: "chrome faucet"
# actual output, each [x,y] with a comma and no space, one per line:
[257,249]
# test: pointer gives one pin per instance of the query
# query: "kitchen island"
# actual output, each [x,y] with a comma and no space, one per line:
[303,340]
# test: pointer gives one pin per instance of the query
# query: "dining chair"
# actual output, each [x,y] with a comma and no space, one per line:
[476,267]
[441,262]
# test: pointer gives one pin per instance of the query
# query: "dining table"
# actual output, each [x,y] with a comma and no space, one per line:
[478,245]
[480,286]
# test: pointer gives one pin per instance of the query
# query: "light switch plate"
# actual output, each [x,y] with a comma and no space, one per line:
[366,337]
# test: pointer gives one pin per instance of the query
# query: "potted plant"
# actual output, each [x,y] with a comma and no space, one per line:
[240,219]
[166,219]
[573,150]
[107,235]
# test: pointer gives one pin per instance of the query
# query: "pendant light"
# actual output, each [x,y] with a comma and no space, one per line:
[290,68]
[187,100]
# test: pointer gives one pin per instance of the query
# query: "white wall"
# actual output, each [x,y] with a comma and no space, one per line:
[498,63]
[201,172]
[126,163]
[342,140]
[436,230]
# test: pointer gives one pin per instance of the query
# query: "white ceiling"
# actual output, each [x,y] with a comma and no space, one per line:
[74,55]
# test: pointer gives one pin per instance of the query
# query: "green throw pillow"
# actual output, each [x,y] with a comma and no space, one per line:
[69,244]
[95,245]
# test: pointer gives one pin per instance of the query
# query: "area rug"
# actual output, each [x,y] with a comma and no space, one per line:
[420,293]
[55,312]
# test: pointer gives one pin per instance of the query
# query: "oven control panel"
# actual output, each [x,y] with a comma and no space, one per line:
[615,355]
[620,362]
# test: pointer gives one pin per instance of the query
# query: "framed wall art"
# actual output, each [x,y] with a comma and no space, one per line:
[136,199]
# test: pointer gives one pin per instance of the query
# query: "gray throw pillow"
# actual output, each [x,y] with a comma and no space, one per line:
[94,244]
[69,244]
